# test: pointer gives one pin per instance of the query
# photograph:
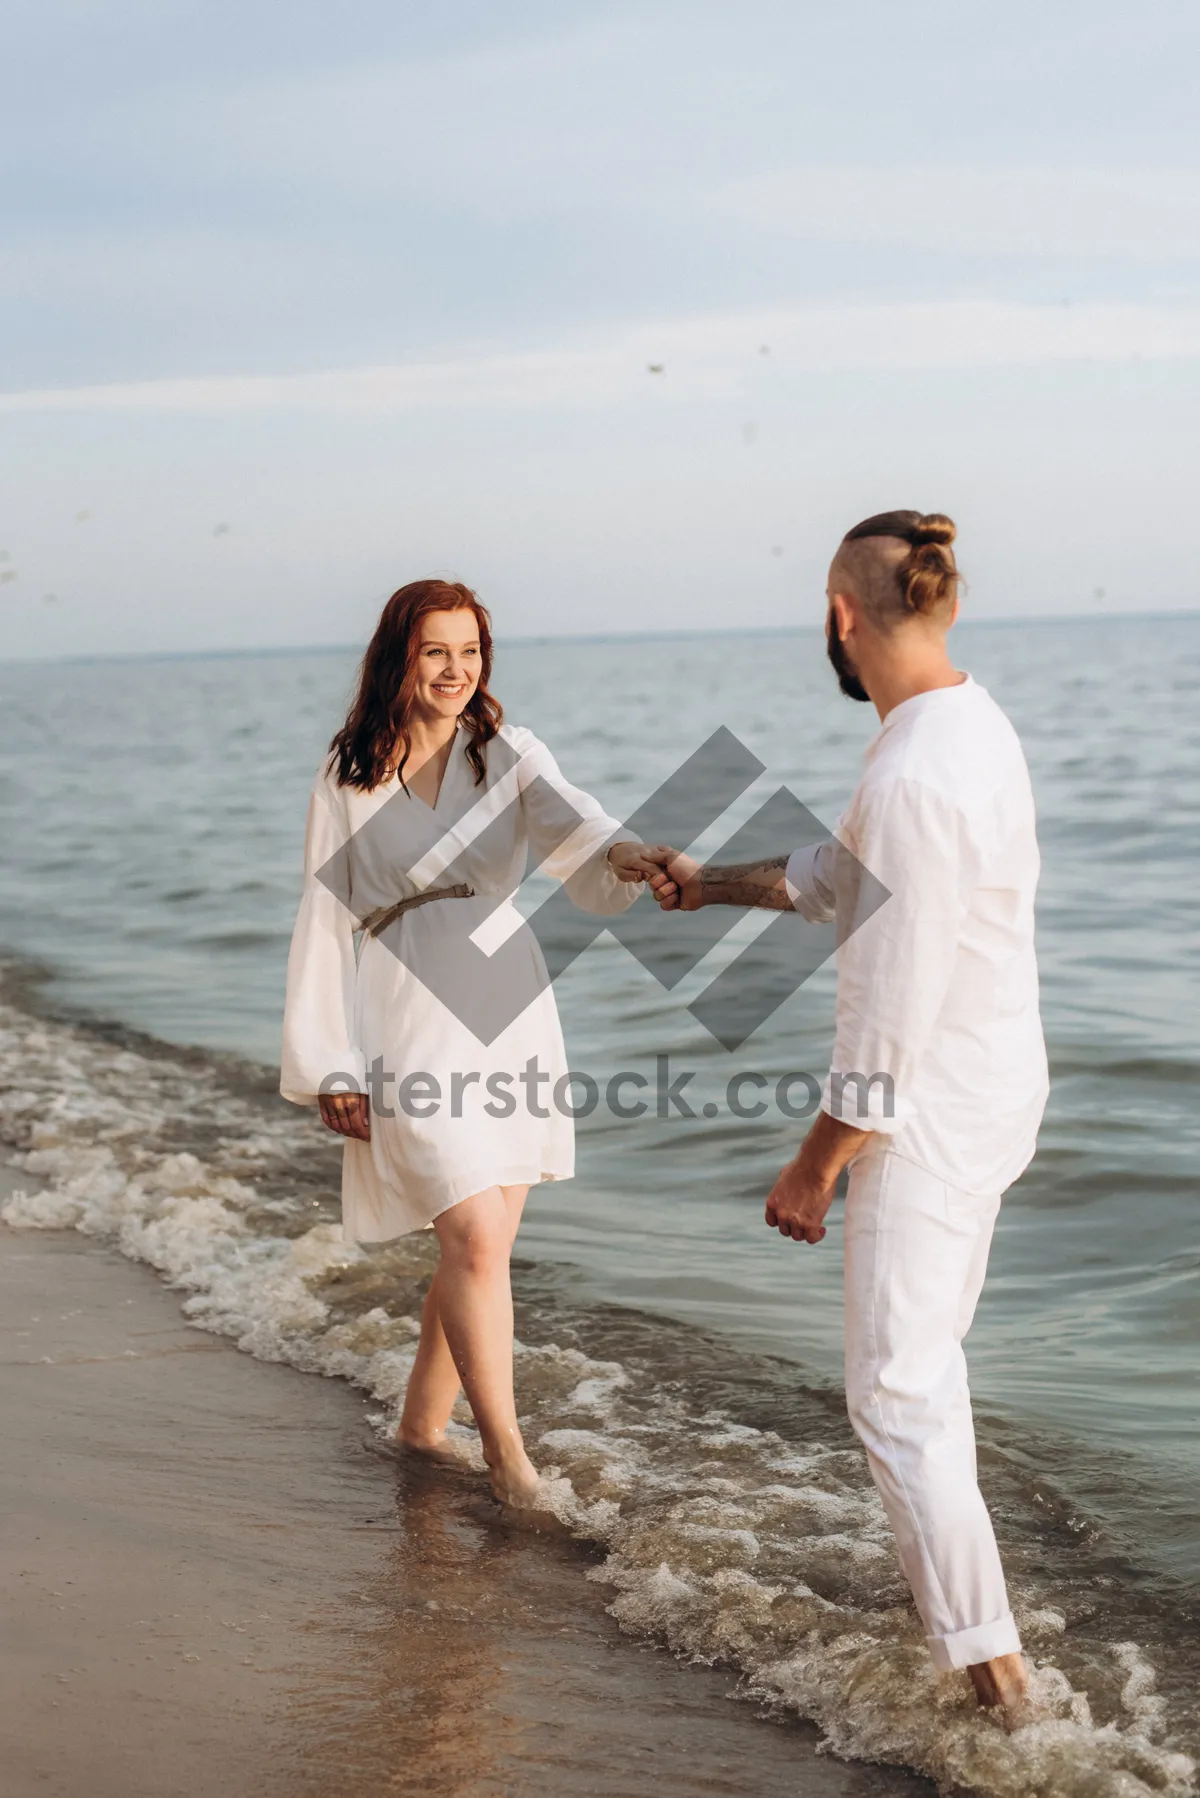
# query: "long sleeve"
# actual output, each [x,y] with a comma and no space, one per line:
[810,880]
[895,966]
[318,1016]
[570,833]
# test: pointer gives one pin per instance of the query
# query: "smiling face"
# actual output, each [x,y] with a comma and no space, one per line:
[448,663]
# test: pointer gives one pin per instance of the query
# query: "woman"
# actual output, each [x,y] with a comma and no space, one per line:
[413,1038]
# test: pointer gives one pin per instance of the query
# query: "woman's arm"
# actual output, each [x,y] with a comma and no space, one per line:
[573,838]
[319,1052]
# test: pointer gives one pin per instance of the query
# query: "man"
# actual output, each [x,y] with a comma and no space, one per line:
[938,1080]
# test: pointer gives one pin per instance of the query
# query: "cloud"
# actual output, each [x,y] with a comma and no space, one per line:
[1126,214]
[703,358]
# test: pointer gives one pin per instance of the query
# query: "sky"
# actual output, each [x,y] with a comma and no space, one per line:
[622,314]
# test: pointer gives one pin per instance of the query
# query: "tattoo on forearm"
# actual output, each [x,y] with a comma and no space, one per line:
[755,884]
[746,893]
[722,876]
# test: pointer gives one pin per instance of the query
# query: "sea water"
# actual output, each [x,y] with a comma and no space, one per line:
[679,1364]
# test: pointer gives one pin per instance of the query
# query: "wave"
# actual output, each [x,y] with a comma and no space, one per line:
[738,1522]
[1075,1060]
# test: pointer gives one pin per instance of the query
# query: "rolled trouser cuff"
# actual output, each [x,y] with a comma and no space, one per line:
[967,1647]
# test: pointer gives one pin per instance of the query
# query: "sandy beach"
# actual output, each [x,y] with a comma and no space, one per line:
[214,1582]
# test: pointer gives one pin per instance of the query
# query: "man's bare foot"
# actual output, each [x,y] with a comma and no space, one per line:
[1002,1684]
[515,1481]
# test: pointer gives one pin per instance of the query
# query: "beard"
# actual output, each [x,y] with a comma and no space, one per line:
[848,680]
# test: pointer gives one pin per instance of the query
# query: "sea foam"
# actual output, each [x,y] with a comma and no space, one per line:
[724,1542]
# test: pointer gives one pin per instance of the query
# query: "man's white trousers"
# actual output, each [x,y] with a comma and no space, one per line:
[916,1254]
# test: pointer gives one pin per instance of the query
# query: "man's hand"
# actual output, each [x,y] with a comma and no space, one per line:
[798,1201]
[803,1193]
[675,881]
[682,884]
[346,1113]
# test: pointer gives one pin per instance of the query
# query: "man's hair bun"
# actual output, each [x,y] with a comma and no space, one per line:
[933,527]
[926,582]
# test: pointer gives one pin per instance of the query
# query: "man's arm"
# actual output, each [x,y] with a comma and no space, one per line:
[758,885]
[803,1193]
[799,881]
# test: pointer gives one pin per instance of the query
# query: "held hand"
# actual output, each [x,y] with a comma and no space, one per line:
[798,1201]
[346,1113]
[637,861]
[675,881]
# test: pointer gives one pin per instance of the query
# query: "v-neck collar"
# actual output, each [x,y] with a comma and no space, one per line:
[455,756]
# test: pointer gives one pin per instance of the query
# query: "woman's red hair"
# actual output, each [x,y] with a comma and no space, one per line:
[374,737]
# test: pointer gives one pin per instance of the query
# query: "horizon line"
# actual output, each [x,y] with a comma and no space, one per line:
[632,636]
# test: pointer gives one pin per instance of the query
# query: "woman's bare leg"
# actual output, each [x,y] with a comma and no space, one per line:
[475,1308]
[433,1384]
[476,1238]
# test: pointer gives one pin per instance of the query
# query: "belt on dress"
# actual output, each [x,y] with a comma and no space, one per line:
[379,919]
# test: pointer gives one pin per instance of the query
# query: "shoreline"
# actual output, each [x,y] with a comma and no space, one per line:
[709,1504]
[216,1580]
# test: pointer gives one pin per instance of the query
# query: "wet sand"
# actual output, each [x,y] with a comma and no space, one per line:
[213,1581]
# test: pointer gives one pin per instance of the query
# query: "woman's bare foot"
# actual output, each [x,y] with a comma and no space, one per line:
[434,1444]
[515,1481]
[1002,1684]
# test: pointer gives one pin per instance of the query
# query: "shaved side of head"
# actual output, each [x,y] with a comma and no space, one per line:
[868,570]
[900,566]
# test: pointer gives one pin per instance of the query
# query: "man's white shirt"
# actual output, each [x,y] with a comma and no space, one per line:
[939,1040]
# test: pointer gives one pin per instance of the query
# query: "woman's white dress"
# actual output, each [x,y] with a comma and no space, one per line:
[359,1015]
